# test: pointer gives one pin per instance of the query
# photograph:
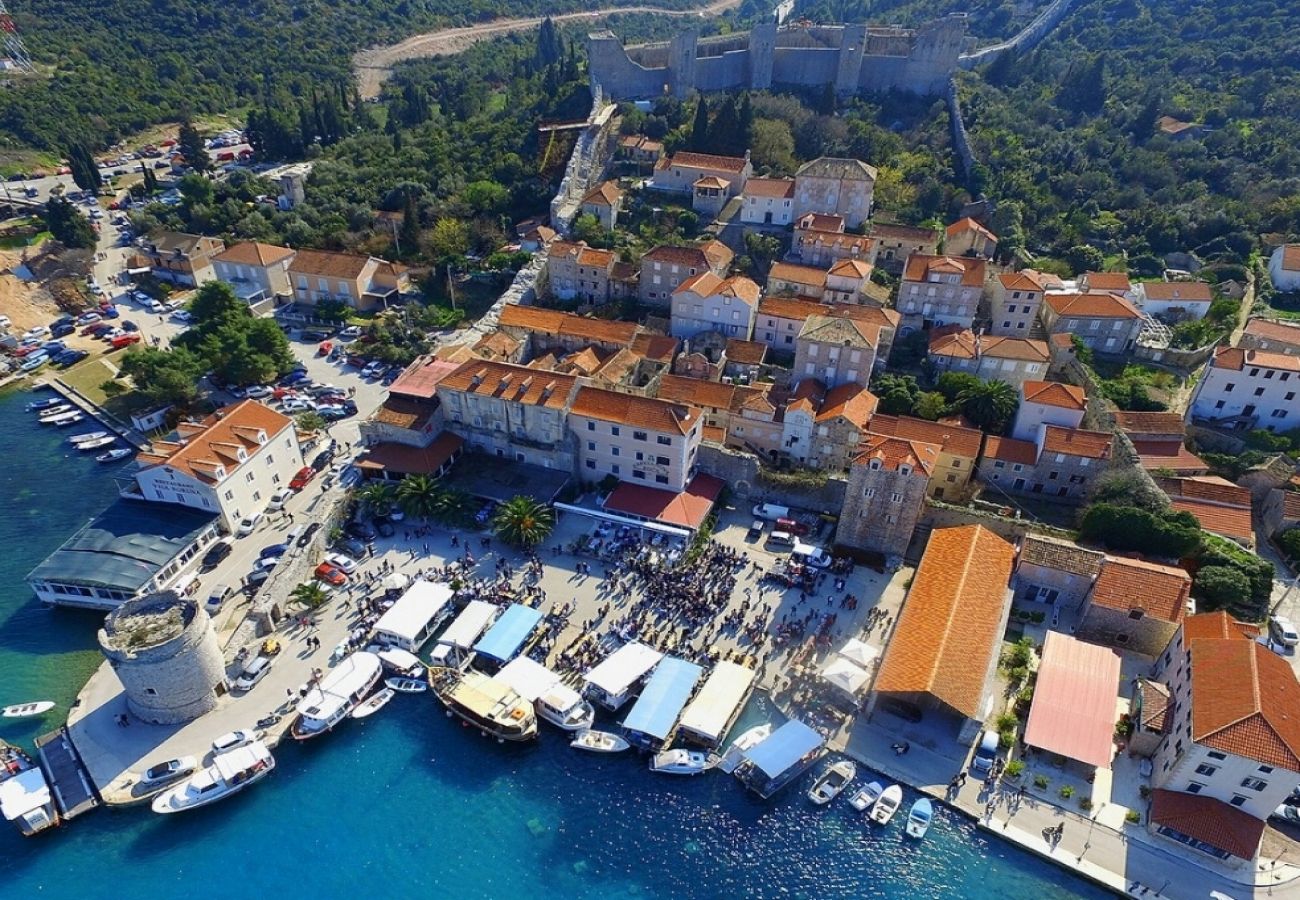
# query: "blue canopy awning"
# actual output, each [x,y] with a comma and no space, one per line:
[663,698]
[504,639]
[784,747]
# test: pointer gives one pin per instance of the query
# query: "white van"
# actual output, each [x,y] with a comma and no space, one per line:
[810,555]
[985,754]
[771,511]
[216,597]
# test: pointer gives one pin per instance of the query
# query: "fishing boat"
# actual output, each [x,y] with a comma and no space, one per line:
[406,685]
[229,773]
[481,701]
[747,741]
[41,405]
[832,782]
[23,710]
[564,707]
[333,698]
[864,797]
[25,797]
[919,818]
[682,762]
[87,436]
[887,804]
[599,742]
[374,704]
[114,455]
[87,446]
[64,419]
[54,412]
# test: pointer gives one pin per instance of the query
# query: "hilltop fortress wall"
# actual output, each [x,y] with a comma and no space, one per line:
[852,58]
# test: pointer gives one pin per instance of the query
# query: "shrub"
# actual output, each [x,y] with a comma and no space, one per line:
[1289,541]
[1037,617]
[1169,534]
[1133,816]
[1216,551]
[1085,803]
[1221,587]
[1067,792]
[1041,781]
[1015,768]
[1008,722]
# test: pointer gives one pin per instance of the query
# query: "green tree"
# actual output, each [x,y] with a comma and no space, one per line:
[190,144]
[376,498]
[332,310]
[773,145]
[310,421]
[1171,535]
[931,405]
[550,47]
[1128,487]
[1289,541]
[449,238]
[990,405]
[1221,587]
[455,506]
[953,384]
[197,191]
[486,196]
[410,233]
[523,521]
[309,594]
[1084,258]
[699,141]
[898,394]
[68,225]
[418,495]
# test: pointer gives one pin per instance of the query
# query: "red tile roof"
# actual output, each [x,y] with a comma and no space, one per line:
[1076,442]
[252,253]
[1291,257]
[1092,306]
[549,321]
[1171,455]
[1133,584]
[420,379]
[746,353]
[777,188]
[1162,423]
[1208,820]
[962,343]
[203,448]
[607,193]
[894,452]
[796,274]
[1245,700]
[1282,332]
[516,384]
[658,347]
[638,412]
[969,224]
[330,265]
[821,222]
[1237,358]
[851,268]
[710,254]
[1178,291]
[1055,393]
[1018,281]
[848,401]
[790,308]
[1011,450]
[1107,281]
[1208,488]
[696,392]
[1228,521]
[687,509]
[403,459]
[1073,710]
[950,627]
[688,160]
[952,439]
[706,284]
[1217,625]
[921,265]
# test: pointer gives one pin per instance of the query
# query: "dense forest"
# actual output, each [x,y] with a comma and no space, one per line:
[989,20]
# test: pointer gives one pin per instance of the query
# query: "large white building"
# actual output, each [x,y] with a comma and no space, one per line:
[229,464]
[1256,388]
[635,439]
[706,302]
[842,187]
[1284,267]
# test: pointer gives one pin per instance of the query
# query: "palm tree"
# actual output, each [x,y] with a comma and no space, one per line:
[376,497]
[990,404]
[523,521]
[309,594]
[418,496]
[454,506]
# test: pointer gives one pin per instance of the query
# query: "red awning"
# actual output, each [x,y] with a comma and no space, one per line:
[1074,711]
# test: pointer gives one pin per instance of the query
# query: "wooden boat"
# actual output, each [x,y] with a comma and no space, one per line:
[483,702]
[23,710]
[864,797]
[406,685]
[374,704]
[599,742]
[832,782]
[747,741]
[86,446]
[87,436]
[919,818]
[114,455]
[887,804]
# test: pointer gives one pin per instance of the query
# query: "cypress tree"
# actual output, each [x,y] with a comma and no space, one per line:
[700,127]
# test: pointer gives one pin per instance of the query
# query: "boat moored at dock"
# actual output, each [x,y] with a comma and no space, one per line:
[374,703]
[334,697]
[25,796]
[747,740]
[832,782]
[552,699]
[782,757]
[484,702]
[229,773]
[887,804]
[865,796]
[87,436]
[919,818]
[614,680]
[600,742]
[682,762]
[711,713]
[42,405]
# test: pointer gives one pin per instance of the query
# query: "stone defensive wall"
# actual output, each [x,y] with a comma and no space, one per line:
[852,58]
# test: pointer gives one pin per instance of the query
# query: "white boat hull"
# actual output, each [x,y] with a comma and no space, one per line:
[749,740]
[23,710]
[583,722]
[374,704]
[174,800]
[883,809]
[600,742]
[406,685]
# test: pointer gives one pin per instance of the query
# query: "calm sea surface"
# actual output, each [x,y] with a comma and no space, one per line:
[409,804]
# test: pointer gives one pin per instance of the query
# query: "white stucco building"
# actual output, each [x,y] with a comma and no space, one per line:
[1284,267]
[1257,388]
[706,302]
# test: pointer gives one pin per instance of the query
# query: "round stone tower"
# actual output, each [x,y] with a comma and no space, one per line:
[165,653]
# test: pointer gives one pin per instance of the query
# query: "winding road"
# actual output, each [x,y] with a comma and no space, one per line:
[375,65]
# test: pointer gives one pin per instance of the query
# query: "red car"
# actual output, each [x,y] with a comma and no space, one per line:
[305,474]
[331,574]
[125,340]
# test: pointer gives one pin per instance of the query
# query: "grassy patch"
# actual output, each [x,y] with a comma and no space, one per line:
[88,378]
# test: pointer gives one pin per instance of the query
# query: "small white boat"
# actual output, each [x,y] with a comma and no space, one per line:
[832,782]
[54,412]
[229,773]
[87,436]
[42,405]
[407,685]
[376,702]
[919,818]
[887,804]
[599,742]
[23,710]
[747,741]
[86,446]
[65,419]
[114,455]
[682,762]
[864,797]
[564,707]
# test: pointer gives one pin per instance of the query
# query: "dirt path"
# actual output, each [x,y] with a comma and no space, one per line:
[374,66]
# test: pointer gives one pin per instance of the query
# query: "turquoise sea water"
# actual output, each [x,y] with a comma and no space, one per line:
[408,804]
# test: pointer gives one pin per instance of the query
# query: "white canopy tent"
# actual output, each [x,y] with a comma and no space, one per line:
[859,653]
[846,676]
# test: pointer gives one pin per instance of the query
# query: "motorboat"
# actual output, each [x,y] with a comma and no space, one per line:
[682,762]
[485,703]
[863,797]
[399,661]
[114,455]
[23,710]
[832,782]
[374,704]
[564,707]
[919,818]
[86,446]
[599,742]
[406,685]
[333,698]
[54,412]
[64,419]
[42,405]
[87,436]
[230,773]
[887,804]
[25,797]
[748,740]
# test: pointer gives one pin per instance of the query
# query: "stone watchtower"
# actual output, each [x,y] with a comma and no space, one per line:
[165,653]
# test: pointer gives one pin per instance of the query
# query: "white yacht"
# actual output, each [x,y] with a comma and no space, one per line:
[832,782]
[747,741]
[864,797]
[564,707]
[599,742]
[229,773]
[887,804]
[334,697]
[682,762]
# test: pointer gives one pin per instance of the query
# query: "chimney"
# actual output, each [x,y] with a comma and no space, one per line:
[547,391]
[477,378]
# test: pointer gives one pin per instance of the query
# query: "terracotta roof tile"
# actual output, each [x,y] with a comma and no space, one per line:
[706,284]
[329,265]
[893,452]
[1155,705]
[796,274]
[1208,820]
[496,345]
[1063,556]
[969,224]
[962,343]
[950,627]
[420,379]
[688,160]
[204,447]
[1164,423]
[1018,281]
[404,459]
[1133,584]
[639,412]
[1239,359]
[790,308]
[1216,625]
[658,347]
[252,253]
[851,268]
[777,188]
[852,402]
[597,259]
[1011,450]
[607,193]
[1092,306]
[1210,489]
[824,223]
[904,232]
[1178,291]
[1107,281]
[1291,257]
[953,439]
[697,392]
[746,353]
[1054,393]
[1076,442]
[920,266]
[515,384]
[1227,521]
[1244,701]
[549,321]
[402,412]
[1280,332]
[711,254]
[838,241]
[1171,455]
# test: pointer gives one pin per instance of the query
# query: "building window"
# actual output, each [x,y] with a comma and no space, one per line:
[1255,784]
[639,436]
[661,479]
[613,451]
[1136,614]
[1206,770]
[591,426]
[1267,770]
[1237,800]
[230,495]
[591,464]
[662,460]
[1194,788]
[637,473]
[591,445]
[666,441]
[1213,754]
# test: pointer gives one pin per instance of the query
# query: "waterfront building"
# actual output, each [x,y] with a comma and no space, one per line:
[413,618]
[635,439]
[780,758]
[229,463]
[1072,713]
[715,707]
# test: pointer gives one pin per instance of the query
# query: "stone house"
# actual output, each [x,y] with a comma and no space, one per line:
[885,495]
[1014,301]
[636,439]
[1060,463]
[1106,322]
[664,268]
[1048,403]
[966,237]
[941,290]
[1158,438]
[706,302]
[1221,507]
[791,279]
[640,149]
[1284,268]
[680,172]
[709,195]
[1175,301]
[744,360]
[767,201]
[836,350]
[842,187]
[1056,572]
[604,201]
[1272,335]
[576,271]
[959,450]
[895,243]
[756,425]
[255,271]
[814,246]
[780,320]
[1116,283]
[1247,389]
[1280,511]
[551,331]
[362,282]
[846,281]
[184,259]
[822,427]
[1010,359]
[1134,605]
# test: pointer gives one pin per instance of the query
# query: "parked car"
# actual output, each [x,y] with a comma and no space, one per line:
[322,460]
[331,574]
[302,478]
[1287,813]
[232,740]
[361,530]
[275,550]
[257,392]
[248,524]
[71,356]
[62,329]
[279,499]
[169,771]
[372,370]
[339,561]
[810,555]
[351,333]
[89,318]
[125,339]
[38,331]
[128,325]
[183,316]
[254,672]
[296,405]
[384,526]
[1283,631]
[985,754]
[308,533]
[108,311]
[216,553]
[266,563]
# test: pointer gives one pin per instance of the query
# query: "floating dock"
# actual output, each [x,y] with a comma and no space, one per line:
[67,776]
